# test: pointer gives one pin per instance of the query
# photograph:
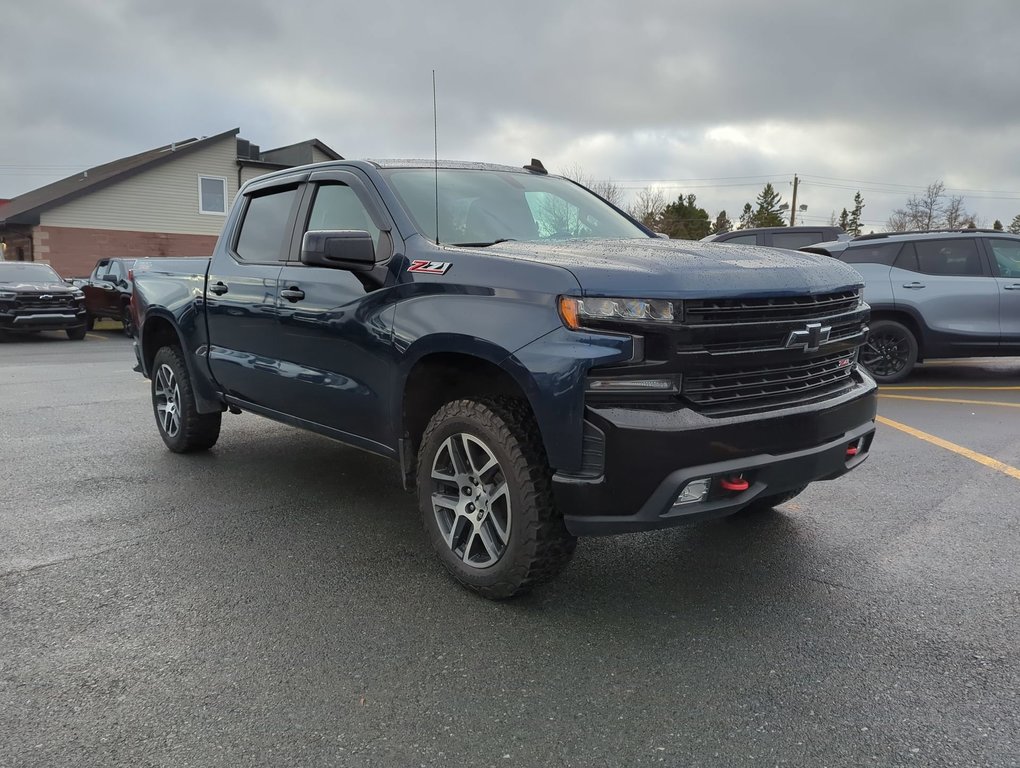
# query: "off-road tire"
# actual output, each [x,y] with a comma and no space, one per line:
[767,503]
[196,431]
[539,545]
[76,334]
[900,343]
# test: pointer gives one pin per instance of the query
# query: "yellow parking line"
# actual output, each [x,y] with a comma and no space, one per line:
[980,458]
[96,336]
[951,400]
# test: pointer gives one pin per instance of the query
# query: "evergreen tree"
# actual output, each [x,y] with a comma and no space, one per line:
[854,222]
[997,226]
[684,220]
[844,221]
[768,213]
[722,224]
[747,217]
[1014,227]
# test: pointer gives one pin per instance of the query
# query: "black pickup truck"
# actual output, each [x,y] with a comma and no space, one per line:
[541,366]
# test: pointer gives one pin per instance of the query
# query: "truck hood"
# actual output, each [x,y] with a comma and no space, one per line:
[45,287]
[657,268]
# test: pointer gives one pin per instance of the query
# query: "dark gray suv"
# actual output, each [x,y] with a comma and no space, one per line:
[935,295]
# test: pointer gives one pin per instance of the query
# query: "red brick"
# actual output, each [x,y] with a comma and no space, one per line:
[74,251]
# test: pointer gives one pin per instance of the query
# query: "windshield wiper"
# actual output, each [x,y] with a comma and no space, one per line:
[484,245]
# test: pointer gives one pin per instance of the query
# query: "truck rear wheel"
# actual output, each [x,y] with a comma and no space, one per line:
[485,493]
[182,427]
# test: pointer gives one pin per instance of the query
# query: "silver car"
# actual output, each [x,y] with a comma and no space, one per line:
[935,295]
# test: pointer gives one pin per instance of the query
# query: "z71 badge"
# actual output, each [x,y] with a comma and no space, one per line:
[430,267]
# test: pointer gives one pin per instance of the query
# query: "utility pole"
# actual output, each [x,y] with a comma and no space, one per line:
[793,205]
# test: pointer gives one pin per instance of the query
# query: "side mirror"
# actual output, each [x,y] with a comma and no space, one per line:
[663,235]
[352,249]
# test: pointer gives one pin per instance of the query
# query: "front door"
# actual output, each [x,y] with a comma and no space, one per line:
[336,324]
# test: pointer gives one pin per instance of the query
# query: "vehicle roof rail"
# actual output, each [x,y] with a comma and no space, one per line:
[880,235]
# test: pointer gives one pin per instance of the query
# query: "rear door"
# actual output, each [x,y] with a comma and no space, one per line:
[1005,257]
[948,283]
[245,350]
[336,323]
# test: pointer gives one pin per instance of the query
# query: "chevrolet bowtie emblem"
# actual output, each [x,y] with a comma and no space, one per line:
[811,338]
[45,296]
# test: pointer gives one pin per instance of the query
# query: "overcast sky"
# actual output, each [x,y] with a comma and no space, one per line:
[713,98]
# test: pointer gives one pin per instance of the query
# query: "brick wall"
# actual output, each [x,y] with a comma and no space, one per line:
[73,251]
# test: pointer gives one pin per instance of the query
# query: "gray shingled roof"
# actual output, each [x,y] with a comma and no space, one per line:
[25,208]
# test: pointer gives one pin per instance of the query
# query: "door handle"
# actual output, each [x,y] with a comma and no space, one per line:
[292,294]
[218,288]
[914,286]
[1013,287]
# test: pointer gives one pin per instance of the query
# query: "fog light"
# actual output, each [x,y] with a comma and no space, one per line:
[669,385]
[695,490]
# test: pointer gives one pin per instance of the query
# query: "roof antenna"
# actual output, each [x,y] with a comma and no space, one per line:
[435,137]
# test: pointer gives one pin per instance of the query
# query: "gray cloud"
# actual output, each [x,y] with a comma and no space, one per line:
[899,93]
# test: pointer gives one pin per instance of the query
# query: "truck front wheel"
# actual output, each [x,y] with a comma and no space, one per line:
[485,493]
[181,426]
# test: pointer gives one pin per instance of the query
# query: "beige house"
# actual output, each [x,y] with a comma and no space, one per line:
[169,201]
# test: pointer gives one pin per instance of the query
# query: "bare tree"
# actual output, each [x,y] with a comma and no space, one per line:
[607,189]
[956,217]
[931,210]
[648,206]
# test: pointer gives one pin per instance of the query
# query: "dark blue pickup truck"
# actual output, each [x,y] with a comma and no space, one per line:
[541,366]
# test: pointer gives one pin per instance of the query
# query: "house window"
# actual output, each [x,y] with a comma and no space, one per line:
[212,195]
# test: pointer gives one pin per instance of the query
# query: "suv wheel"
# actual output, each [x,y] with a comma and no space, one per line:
[485,493]
[181,426]
[890,353]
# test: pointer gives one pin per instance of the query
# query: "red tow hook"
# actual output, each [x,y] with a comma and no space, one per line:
[735,483]
[853,449]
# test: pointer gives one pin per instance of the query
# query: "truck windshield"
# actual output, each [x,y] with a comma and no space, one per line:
[483,207]
[28,273]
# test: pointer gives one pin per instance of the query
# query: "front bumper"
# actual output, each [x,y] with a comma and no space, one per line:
[650,454]
[43,320]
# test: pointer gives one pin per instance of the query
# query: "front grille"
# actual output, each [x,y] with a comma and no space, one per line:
[770,386]
[729,311]
[35,301]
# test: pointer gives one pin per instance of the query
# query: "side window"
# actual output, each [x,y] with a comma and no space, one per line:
[265,234]
[101,270]
[948,257]
[1007,256]
[337,206]
[907,259]
[884,253]
[115,272]
[741,239]
[795,240]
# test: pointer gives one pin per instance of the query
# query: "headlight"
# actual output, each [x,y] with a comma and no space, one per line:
[575,311]
[7,295]
[79,295]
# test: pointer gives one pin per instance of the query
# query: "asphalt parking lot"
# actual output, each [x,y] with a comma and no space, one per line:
[273,602]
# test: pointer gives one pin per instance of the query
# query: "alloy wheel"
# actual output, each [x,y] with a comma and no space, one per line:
[471,500]
[886,354]
[168,398]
